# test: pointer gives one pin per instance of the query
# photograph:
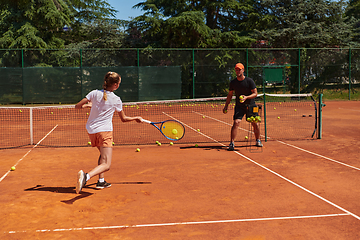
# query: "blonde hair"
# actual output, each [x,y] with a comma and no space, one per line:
[110,79]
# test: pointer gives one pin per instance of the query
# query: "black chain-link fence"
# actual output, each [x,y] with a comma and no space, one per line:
[67,75]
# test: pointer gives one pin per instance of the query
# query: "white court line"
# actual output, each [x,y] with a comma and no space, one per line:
[347,213]
[226,123]
[299,186]
[3,177]
[282,177]
[183,223]
[318,155]
[290,145]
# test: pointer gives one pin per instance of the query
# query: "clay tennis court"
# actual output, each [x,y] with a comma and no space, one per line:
[306,189]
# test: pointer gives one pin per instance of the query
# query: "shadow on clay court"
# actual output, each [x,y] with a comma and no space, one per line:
[71,190]
[207,147]
[62,190]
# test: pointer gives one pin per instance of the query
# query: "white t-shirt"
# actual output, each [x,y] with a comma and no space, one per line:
[102,112]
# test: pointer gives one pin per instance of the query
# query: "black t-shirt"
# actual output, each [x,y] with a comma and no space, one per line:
[243,87]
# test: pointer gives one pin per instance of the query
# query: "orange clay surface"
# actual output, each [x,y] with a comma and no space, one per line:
[305,189]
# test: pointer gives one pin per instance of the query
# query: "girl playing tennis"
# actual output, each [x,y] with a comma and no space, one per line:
[99,126]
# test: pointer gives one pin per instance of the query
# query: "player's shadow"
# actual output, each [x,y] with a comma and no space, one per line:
[82,194]
[132,183]
[208,147]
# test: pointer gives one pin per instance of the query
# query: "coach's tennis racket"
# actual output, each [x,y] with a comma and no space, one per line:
[171,129]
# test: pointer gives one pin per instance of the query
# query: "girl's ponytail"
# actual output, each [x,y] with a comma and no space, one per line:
[110,79]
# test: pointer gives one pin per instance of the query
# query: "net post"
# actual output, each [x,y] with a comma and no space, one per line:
[320,116]
[31,126]
[265,128]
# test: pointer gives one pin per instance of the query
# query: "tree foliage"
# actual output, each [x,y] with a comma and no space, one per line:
[307,23]
[203,23]
[180,24]
[33,24]
[54,23]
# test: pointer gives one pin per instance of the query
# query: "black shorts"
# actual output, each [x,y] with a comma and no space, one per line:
[240,111]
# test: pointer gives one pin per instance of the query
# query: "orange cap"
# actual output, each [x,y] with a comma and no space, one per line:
[239,65]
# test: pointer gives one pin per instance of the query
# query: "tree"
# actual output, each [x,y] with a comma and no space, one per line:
[56,23]
[307,23]
[205,23]
[91,20]
[33,24]
[353,12]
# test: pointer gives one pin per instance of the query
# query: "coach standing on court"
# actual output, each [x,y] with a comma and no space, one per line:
[245,87]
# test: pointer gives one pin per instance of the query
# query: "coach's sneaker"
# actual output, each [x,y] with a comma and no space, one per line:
[231,146]
[258,143]
[102,185]
[81,181]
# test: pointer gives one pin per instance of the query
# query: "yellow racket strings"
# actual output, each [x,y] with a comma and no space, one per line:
[173,130]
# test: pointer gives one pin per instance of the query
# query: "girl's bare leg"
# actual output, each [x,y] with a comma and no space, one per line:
[104,162]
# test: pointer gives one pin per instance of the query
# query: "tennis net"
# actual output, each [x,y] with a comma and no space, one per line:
[289,117]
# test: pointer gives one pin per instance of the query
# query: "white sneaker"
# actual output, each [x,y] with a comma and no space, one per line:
[258,143]
[81,181]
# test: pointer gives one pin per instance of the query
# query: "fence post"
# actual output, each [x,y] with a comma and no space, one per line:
[349,73]
[299,70]
[22,75]
[138,72]
[193,72]
[247,60]
[81,75]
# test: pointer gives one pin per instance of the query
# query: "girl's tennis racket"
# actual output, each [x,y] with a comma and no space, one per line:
[171,129]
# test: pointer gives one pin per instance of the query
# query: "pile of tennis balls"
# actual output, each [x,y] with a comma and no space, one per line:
[255,119]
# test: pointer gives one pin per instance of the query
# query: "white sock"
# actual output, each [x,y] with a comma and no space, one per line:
[101,180]
[87,177]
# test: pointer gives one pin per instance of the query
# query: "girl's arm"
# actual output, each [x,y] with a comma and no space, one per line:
[125,118]
[83,104]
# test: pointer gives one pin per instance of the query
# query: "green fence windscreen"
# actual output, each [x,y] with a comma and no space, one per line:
[66,75]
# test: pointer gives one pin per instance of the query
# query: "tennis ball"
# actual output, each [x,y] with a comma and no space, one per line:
[196,145]
[203,116]
[89,143]
[295,110]
[159,144]
[246,137]
[52,113]
[12,168]
[138,149]
[171,143]
[198,130]
[174,131]
[113,143]
[274,108]
[248,119]
[278,117]
[20,110]
[241,97]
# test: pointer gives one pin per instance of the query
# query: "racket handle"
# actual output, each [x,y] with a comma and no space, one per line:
[146,121]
